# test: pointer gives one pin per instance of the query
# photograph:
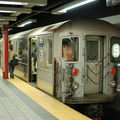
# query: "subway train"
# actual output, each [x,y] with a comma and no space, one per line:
[75,61]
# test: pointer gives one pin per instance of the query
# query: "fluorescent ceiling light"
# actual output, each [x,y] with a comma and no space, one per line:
[14,10]
[4,22]
[24,2]
[8,18]
[2,11]
[26,22]
[22,25]
[12,3]
[76,5]
[9,29]
[71,5]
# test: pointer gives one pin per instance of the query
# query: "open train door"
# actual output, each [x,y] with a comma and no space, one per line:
[32,70]
[94,64]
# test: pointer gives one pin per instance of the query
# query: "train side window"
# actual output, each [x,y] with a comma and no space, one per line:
[49,52]
[70,48]
[92,50]
[19,49]
[115,50]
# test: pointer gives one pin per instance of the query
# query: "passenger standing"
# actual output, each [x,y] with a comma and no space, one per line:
[67,53]
[12,54]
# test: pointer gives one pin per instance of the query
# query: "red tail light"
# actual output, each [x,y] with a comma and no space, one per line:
[113,70]
[75,72]
[96,118]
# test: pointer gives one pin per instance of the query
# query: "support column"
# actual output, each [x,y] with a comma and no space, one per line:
[5,52]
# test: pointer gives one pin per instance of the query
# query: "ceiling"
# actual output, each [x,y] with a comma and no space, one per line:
[41,11]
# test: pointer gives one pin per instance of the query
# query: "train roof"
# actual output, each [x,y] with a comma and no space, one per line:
[89,26]
[84,25]
[37,31]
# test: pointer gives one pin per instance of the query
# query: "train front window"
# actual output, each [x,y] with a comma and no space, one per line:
[70,48]
[115,50]
[92,50]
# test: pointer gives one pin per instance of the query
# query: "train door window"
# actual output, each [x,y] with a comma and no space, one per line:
[92,50]
[49,60]
[19,49]
[70,48]
[115,50]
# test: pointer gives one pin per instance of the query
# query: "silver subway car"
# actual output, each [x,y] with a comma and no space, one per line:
[78,61]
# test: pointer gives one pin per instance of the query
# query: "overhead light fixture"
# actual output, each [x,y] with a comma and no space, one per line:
[14,10]
[8,18]
[71,5]
[10,29]
[26,22]
[4,22]
[12,3]
[2,11]
[24,2]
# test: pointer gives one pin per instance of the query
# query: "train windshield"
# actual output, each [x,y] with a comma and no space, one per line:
[70,48]
[115,50]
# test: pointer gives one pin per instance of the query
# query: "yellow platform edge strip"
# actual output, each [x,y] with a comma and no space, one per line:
[53,106]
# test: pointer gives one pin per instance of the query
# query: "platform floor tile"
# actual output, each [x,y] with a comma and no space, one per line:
[15,105]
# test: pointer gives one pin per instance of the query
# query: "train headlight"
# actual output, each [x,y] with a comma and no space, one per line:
[113,70]
[112,83]
[75,85]
[75,72]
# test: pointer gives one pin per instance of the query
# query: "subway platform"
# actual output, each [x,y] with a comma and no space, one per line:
[21,101]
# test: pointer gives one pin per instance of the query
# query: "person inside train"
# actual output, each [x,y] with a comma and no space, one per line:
[12,54]
[33,48]
[66,52]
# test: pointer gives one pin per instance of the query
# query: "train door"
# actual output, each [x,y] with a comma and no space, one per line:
[94,64]
[32,60]
[45,59]
[21,69]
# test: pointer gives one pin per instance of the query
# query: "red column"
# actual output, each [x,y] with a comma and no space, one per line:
[5,52]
